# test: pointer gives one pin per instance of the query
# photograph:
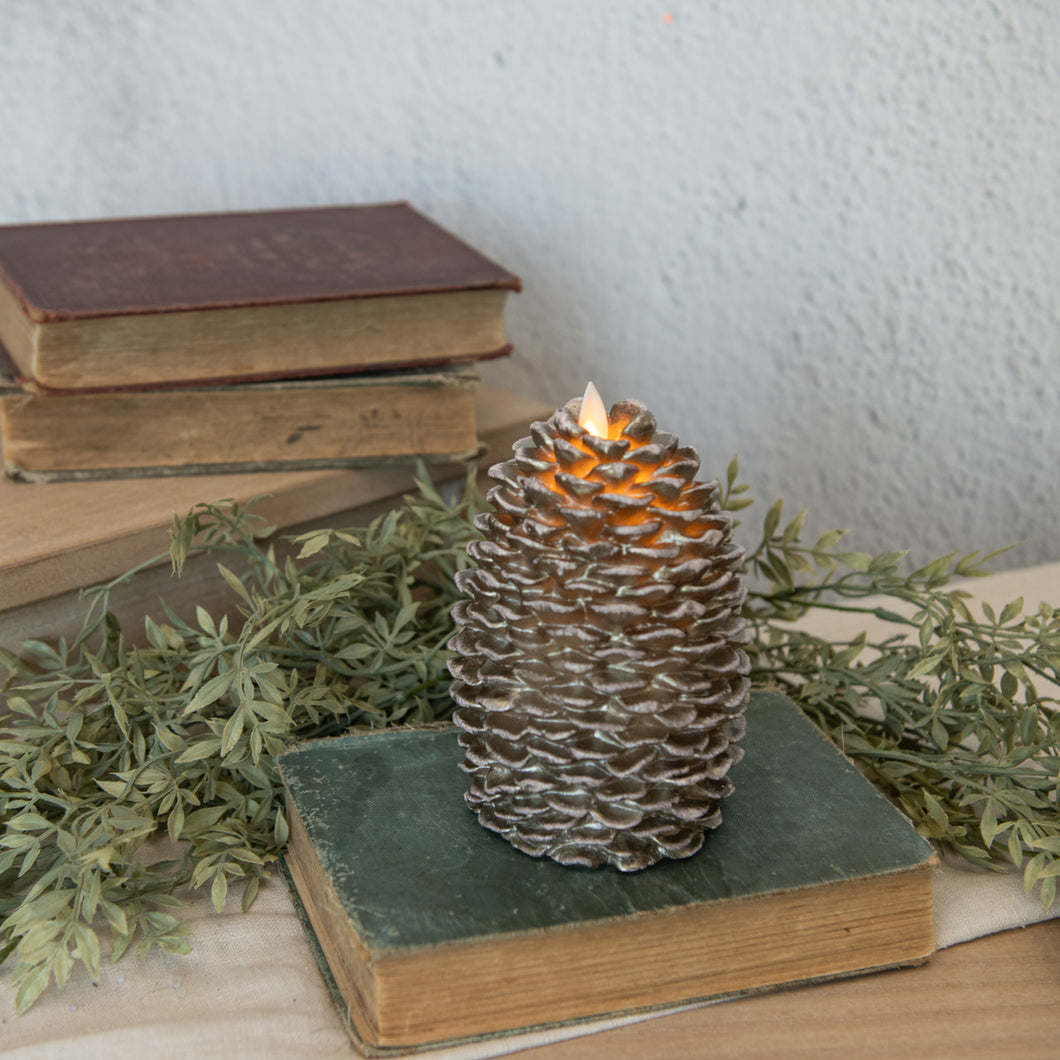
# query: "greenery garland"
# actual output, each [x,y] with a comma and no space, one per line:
[107,742]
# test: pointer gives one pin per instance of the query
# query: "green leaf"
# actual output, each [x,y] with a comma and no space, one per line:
[1035,867]
[175,822]
[120,945]
[18,704]
[925,666]
[38,944]
[772,520]
[210,692]
[280,829]
[845,658]
[115,916]
[1011,610]
[87,947]
[794,528]
[1015,848]
[733,471]
[205,818]
[988,825]
[203,748]
[782,572]
[935,811]
[934,571]
[314,543]
[886,561]
[234,583]
[250,892]
[18,842]
[1048,892]
[797,561]
[219,891]
[1016,669]
[27,821]
[855,560]
[939,734]
[31,986]
[1050,844]
[828,540]
[233,730]
[118,789]
[206,623]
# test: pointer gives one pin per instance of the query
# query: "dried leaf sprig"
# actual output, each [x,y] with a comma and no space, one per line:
[108,742]
[954,715]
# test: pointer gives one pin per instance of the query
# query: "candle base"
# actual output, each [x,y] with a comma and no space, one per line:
[590,812]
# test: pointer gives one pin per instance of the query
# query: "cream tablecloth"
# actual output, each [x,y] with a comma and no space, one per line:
[251,986]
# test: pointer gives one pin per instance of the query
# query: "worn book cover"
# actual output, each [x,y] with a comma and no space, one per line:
[434,930]
[284,293]
[347,421]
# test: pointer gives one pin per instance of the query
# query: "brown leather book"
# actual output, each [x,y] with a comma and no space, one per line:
[154,301]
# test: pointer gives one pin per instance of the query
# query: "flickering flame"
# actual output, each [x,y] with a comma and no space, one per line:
[593,416]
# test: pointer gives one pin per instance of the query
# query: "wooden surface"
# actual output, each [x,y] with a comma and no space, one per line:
[993,997]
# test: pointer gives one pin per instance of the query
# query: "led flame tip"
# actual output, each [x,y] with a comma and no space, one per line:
[593,415]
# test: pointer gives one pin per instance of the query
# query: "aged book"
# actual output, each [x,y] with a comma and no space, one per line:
[273,294]
[345,421]
[56,539]
[431,929]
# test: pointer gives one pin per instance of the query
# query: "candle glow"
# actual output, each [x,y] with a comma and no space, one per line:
[593,415]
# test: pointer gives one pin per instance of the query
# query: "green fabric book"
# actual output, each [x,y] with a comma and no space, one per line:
[434,930]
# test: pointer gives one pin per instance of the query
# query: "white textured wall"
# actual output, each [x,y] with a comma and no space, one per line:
[825,234]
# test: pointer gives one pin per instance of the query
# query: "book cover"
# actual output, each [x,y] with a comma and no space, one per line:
[143,301]
[352,421]
[436,930]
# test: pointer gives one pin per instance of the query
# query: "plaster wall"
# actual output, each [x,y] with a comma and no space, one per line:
[824,235]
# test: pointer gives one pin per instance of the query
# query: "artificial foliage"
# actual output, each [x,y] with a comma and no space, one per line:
[131,769]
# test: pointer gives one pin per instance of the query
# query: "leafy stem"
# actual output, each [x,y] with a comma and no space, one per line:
[110,740]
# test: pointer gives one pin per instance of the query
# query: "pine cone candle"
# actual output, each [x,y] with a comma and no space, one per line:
[597,669]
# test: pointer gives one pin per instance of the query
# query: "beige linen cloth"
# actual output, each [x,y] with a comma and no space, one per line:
[251,985]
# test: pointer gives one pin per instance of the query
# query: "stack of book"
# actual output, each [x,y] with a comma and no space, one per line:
[56,539]
[326,337]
